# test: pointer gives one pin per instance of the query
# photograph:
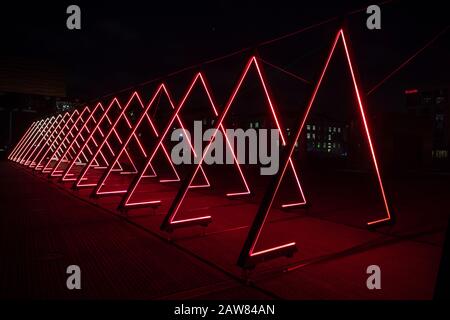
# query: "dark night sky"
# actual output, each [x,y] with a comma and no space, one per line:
[127,42]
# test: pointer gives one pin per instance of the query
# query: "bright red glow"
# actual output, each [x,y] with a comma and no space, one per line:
[77,150]
[262,252]
[90,138]
[36,133]
[22,140]
[47,140]
[59,140]
[253,238]
[52,139]
[145,115]
[64,149]
[122,115]
[192,219]
[132,188]
[219,126]
[35,142]
[26,143]
[143,203]
[366,127]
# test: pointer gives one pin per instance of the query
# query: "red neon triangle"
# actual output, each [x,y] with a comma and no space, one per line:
[32,139]
[52,139]
[126,201]
[112,131]
[71,173]
[21,140]
[26,141]
[75,145]
[41,138]
[34,144]
[58,142]
[65,149]
[170,217]
[248,251]
[144,116]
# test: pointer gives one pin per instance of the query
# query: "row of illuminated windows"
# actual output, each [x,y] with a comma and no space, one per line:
[312,127]
[439,154]
[312,136]
[326,145]
[415,98]
[255,124]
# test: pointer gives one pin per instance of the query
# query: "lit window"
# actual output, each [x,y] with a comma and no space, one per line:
[251,124]
[308,136]
[314,127]
[339,130]
[308,127]
[440,100]
[334,129]
[329,137]
[257,124]
[314,136]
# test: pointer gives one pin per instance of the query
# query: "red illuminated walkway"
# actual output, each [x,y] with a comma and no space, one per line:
[39,239]
[129,258]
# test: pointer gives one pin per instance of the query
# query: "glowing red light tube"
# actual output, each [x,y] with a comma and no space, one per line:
[33,144]
[169,219]
[126,200]
[249,256]
[89,138]
[78,183]
[52,138]
[79,134]
[21,140]
[369,139]
[59,140]
[98,189]
[97,128]
[63,150]
[42,141]
[28,140]
[199,77]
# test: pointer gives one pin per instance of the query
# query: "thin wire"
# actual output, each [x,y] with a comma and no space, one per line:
[285,71]
[402,65]
[261,44]
[316,25]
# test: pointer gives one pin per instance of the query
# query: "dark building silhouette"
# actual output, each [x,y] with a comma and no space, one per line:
[431,105]
[29,88]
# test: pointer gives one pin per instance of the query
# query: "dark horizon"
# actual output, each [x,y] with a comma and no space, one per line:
[120,46]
